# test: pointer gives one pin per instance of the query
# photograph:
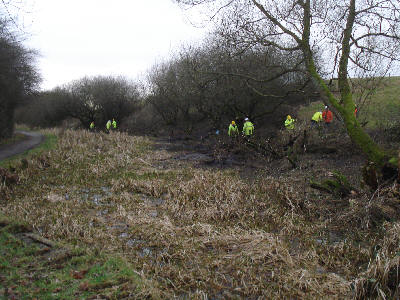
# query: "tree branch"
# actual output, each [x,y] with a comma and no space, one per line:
[276,22]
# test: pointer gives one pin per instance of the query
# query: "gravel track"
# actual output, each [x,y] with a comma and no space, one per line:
[33,139]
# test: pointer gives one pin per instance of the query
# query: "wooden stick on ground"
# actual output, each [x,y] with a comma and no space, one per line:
[41,240]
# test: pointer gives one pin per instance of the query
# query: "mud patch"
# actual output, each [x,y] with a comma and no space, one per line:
[198,157]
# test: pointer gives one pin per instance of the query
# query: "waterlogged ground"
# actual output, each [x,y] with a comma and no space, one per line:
[195,227]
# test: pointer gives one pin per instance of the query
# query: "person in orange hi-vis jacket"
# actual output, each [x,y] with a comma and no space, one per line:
[327,116]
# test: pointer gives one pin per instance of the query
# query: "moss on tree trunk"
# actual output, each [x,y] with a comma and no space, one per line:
[346,109]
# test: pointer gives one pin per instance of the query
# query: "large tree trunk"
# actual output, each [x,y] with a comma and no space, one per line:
[357,134]
[346,104]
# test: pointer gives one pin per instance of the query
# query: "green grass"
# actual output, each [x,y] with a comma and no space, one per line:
[383,110]
[26,272]
[49,143]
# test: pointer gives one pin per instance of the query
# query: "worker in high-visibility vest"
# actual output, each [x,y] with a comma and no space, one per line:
[248,127]
[233,129]
[289,123]
[316,119]
[108,126]
[91,126]
[327,116]
[114,124]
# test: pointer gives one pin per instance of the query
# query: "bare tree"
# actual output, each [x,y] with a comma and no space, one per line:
[99,99]
[349,35]
[18,75]
[210,85]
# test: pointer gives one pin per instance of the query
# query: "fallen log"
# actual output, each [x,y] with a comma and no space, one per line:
[338,186]
[40,239]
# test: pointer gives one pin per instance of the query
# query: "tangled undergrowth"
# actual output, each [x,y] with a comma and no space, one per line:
[199,234]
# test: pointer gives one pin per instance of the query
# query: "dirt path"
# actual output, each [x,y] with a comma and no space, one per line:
[33,139]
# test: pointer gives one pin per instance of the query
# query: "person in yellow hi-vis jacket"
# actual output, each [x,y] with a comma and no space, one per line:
[233,129]
[289,123]
[108,126]
[316,119]
[248,127]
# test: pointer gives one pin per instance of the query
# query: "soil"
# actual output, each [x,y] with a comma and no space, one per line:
[32,140]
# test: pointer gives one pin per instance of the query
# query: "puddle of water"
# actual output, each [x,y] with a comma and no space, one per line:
[102,212]
[85,197]
[94,195]
[294,245]
[119,227]
[332,238]
[152,201]
[145,252]
[134,242]
[335,237]
[157,201]
[123,235]
[106,191]
[153,213]
[195,157]
[97,199]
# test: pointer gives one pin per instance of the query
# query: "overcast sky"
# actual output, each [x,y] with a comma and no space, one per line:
[78,38]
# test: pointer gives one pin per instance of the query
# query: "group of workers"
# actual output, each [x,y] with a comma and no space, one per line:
[248,128]
[326,115]
[316,119]
[109,125]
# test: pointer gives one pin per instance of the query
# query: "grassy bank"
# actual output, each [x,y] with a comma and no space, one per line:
[32,270]
[199,233]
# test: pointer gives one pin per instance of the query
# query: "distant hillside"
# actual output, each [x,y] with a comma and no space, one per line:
[383,110]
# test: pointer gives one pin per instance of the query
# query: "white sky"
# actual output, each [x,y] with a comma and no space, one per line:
[78,38]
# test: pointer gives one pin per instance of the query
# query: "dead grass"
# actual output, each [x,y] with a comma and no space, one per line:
[196,233]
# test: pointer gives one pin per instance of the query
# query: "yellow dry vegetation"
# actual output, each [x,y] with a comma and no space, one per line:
[190,232]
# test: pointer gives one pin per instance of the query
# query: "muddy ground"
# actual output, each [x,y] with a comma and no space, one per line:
[334,152]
